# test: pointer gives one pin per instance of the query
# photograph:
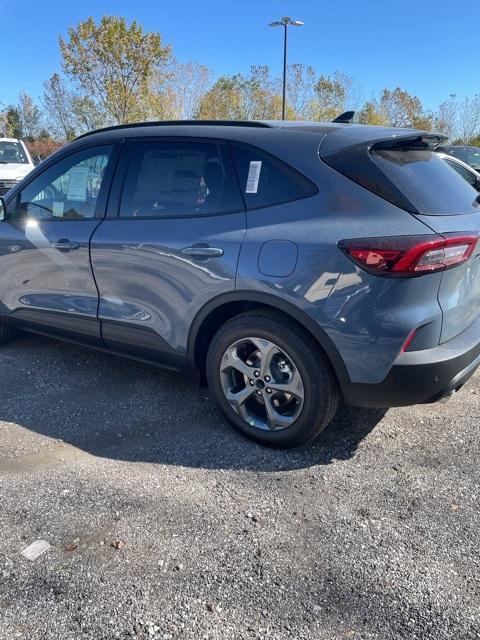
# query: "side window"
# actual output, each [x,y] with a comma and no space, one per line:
[179,179]
[465,173]
[68,190]
[266,180]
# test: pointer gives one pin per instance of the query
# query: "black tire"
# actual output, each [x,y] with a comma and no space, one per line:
[320,387]
[5,331]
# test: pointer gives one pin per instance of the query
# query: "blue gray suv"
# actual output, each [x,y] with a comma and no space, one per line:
[289,265]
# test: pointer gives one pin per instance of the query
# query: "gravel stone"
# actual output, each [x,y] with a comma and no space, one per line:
[370,532]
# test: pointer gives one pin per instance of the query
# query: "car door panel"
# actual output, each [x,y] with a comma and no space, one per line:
[41,284]
[155,273]
[46,279]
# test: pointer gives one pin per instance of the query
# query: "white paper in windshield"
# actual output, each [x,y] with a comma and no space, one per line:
[253,176]
[77,183]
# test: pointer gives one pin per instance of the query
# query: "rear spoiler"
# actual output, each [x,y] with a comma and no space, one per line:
[423,141]
[345,118]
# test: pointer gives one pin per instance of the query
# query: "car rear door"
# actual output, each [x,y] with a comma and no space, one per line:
[46,280]
[170,243]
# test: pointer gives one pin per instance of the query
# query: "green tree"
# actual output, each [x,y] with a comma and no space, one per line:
[115,65]
[13,123]
[331,96]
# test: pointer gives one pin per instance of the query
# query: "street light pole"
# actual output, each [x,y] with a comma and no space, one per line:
[285,22]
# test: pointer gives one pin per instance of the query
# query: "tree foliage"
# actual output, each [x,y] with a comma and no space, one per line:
[115,72]
[115,65]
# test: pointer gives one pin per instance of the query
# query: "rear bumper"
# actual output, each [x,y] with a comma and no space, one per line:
[424,376]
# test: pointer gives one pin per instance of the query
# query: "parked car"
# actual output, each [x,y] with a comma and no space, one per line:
[466,171]
[15,163]
[469,155]
[288,264]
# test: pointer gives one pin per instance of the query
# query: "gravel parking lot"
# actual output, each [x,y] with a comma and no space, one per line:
[370,532]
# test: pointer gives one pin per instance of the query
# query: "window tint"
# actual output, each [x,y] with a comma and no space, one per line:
[179,179]
[68,190]
[415,179]
[266,180]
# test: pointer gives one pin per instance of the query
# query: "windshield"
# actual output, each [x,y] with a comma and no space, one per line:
[470,155]
[12,152]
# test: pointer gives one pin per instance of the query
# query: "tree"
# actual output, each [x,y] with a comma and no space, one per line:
[13,123]
[468,114]
[446,117]
[239,97]
[331,96]
[401,109]
[115,65]
[182,89]
[30,116]
[58,103]
[300,90]
[371,114]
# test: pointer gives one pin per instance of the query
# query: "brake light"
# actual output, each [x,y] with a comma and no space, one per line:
[410,255]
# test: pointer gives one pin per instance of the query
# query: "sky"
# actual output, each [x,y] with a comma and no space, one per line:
[431,48]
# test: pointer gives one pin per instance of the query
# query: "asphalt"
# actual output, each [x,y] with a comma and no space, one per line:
[165,523]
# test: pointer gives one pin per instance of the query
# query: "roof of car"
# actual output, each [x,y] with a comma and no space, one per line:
[272,135]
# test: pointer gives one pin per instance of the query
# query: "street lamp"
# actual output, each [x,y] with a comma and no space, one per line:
[285,22]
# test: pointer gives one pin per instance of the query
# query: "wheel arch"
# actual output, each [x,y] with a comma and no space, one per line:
[224,307]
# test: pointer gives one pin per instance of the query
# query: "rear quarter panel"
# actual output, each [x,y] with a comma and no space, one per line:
[368,318]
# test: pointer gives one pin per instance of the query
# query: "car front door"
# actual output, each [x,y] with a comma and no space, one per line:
[46,280]
[171,244]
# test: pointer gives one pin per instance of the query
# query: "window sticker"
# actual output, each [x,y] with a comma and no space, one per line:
[77,183]
[57,209]
[253,176]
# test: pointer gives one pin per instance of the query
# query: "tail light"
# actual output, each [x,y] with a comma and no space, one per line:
[410,255]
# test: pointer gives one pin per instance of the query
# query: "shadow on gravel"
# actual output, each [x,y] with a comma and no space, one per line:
[116,408]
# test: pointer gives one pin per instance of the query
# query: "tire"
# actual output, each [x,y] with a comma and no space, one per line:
[271,416]
[5,331]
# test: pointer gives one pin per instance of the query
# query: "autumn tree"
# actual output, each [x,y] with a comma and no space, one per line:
[115,65]
[371,113]
[401,109]
[29,115]
[331,96]
[182,89]
[301,80]
[12,123]
[468,119]
[239,97]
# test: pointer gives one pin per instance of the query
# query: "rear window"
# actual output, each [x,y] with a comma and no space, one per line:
[417,180]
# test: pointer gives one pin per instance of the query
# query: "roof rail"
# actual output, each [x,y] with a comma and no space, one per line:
[163,123]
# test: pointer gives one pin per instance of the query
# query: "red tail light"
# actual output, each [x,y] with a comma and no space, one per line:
[410,255]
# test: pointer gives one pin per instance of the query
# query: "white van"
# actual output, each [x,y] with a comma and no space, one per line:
[15,163]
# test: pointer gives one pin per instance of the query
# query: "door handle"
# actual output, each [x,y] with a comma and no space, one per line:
[65,245]
[202,251]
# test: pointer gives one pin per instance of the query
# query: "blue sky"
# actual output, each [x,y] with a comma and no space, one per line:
[431,48]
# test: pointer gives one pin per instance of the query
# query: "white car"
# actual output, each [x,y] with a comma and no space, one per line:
[15,163]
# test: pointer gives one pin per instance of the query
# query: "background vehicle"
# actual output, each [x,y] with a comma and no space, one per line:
[289,264]
[15,163]
[469,155]
[465,170]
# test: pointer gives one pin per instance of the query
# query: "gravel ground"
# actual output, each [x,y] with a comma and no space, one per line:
[370,532]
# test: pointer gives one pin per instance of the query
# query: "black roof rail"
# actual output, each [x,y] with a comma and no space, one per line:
[163,123]
[345,118]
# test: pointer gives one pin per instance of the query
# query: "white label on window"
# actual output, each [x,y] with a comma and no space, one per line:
[253,176]
[57,209]
[77,183]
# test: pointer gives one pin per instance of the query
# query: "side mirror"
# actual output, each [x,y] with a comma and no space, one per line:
[3,209]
